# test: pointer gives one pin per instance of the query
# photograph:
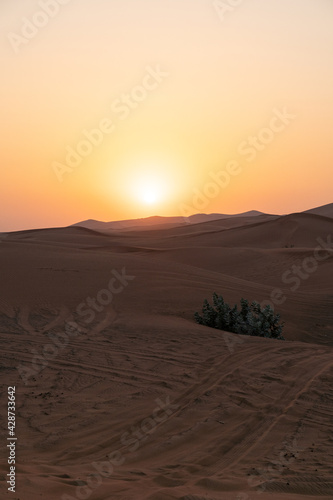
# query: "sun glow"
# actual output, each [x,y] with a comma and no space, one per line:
[150,183]
[149,197]
[147,183]
[150,191]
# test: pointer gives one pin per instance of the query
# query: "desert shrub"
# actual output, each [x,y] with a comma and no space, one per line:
[251,319]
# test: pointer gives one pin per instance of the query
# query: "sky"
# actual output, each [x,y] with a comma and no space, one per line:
[118,109]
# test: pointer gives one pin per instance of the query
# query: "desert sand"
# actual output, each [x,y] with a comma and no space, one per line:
[156,406]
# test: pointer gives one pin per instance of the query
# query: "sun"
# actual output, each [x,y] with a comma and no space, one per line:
[150,188]
[150,192]
[148,184]
[149,196]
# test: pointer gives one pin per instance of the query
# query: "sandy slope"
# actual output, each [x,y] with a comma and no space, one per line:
[157,222]
[325,210]
[247,417]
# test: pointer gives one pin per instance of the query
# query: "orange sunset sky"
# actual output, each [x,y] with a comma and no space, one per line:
[181,91]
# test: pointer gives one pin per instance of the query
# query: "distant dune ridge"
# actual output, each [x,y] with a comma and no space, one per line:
[160,221]
[157,221]
[193,413]
[325,210]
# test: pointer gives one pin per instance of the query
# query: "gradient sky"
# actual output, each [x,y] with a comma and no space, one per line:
[227,73]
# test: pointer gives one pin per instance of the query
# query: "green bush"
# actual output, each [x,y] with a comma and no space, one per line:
[250,320]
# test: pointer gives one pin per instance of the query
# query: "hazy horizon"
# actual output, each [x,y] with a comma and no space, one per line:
[72,223]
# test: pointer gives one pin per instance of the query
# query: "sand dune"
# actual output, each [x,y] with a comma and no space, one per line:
[157,222]
[300,230]
[194,413]
[325,210]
